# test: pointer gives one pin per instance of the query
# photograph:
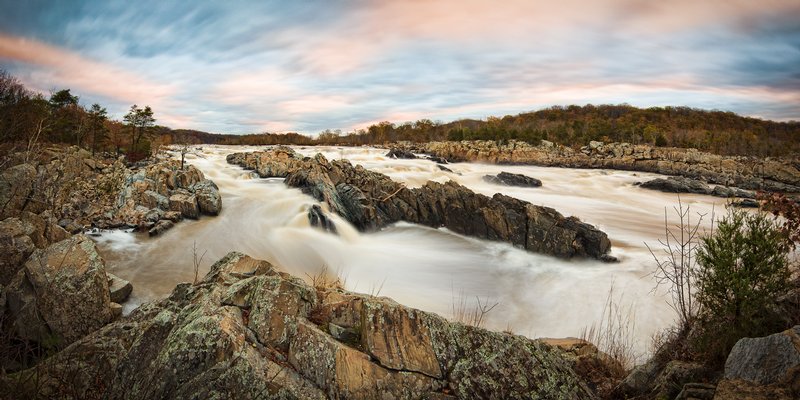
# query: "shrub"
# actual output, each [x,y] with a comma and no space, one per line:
[743,270]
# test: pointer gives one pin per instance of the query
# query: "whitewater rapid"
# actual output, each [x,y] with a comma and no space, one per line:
[430,269]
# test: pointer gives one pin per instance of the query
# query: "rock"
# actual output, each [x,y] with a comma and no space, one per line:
[640,381]
[119,289]
[173,216]
[116,310]
[771,174]
[443,168]
[185,203]
[17,187]
[317,218]
[677,185]
[764,360]
[400,153]
[61,294]
[509,179]
[746,203]
[600,371]
[370,200]
[244,332]
[208,199]
[675,375]
[697,391]
[743,390]
[15,246]
[438,160]
[723,191]
[160,227]
[151,199]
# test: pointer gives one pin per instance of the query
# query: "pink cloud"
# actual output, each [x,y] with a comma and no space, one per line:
[64,68]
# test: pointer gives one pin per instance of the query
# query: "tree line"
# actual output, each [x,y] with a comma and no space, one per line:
[27,117]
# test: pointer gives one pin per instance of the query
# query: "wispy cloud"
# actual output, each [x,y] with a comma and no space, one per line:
[306,66]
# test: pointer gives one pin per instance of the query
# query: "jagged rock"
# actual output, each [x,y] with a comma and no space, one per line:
[675,375]
[443,168]
[119,289]
[677,185]
[61,294]
[400,153]
[371,200]
[316,217]
[244,332]
[17,185]
[208,199]
[185,203]
[438,160]
[599,370]
[509,179]
[116,310]
[723,191]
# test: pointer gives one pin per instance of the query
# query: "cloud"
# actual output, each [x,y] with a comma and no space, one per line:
[305,67]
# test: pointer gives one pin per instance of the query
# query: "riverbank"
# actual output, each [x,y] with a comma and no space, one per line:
[751,173]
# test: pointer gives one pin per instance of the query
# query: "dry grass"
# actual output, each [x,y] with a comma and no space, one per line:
[614,333]
[472,314]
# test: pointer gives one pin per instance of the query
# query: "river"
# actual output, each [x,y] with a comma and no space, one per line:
[431,269]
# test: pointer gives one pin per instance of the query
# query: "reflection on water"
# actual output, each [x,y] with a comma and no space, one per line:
[419,266]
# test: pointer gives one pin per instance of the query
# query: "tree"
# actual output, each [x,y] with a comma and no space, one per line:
[97,118]
[140,120]
[743,270]
[67,116]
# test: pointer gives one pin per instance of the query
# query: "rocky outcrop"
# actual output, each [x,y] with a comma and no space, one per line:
[770,174]
[765,367]
[370,200]
[82,191]
[678,184]
[20,236]
[61,294]
[509,179]
[248,330]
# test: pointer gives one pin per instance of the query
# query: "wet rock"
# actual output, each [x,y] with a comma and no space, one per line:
[244,332]
[370,200]
[509,179]
[160,227]
[677,185]
[400,153]
[119,289]
[438,160]
[317,218]
[445,169]
[61,294]
[746,203]
[208,199]
[723,191]
[185,203]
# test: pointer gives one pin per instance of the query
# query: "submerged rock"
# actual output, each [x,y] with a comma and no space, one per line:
[250,331]
[509,179]
[370,200]
[677,185]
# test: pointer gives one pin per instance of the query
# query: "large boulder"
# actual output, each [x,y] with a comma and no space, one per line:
[61,294]
[248,330]
[764,367]
[208,199]
[509,179]
[184,202]
[19,237]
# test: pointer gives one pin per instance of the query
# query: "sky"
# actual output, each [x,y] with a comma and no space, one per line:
[305,66]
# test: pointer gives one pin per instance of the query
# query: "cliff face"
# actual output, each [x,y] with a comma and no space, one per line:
[747,173]
[371,200]
[250,331]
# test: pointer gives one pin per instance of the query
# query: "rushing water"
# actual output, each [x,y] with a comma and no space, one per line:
[431,269]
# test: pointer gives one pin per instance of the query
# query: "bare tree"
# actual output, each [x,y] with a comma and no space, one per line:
[677,265]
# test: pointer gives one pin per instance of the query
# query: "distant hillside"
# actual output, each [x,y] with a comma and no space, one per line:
[714,131]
